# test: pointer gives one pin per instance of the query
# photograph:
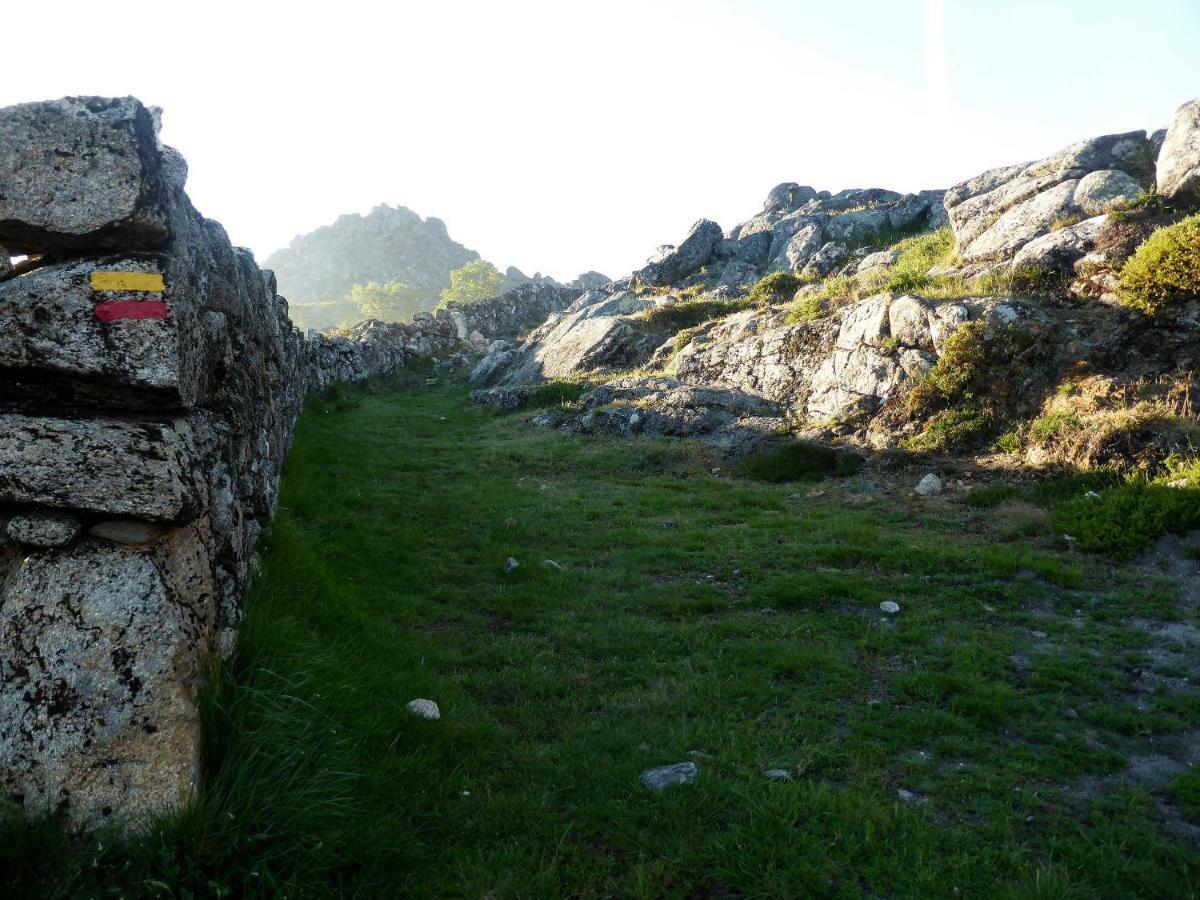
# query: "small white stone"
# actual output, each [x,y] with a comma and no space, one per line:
[424,709]
[665,776]
[510,566]
[890,606]
[551,564]
[778,774]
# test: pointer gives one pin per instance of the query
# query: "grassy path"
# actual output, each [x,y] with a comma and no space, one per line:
[975,744]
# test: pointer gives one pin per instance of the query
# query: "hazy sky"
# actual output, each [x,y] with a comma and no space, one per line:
[563,136]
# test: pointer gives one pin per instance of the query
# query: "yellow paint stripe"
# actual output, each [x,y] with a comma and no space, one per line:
[127,281]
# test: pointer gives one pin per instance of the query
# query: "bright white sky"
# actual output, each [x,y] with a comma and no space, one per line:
[562,136]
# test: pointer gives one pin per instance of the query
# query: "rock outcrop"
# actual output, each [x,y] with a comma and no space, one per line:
[510,314]
[995,216]
[678,348]
[1179,159]
[376,348]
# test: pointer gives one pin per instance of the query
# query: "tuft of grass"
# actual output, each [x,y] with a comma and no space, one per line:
[689,313]
[801,461]
[775,288]
[1185,791]
[340,398]
[1165,268]
[991,496]
[1053,426]
[555,393]
[278,813]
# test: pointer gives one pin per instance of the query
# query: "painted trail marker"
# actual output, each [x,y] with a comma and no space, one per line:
[146,302]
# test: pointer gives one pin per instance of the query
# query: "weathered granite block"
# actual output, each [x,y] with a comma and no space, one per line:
[131,467]
[80,174]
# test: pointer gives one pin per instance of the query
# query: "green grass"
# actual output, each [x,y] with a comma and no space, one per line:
[694,612]
[1127,516]
[774,288]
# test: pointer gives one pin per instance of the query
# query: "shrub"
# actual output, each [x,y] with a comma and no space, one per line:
[801,461]
[959,374]
[477,280]
[964,428]
[1009,442]
[991,495]
[774,288]
[1165,269]
[1053,426]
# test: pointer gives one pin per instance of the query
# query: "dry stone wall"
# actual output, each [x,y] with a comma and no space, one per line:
[150,379]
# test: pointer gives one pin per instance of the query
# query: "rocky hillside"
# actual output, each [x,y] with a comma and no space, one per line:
[1003,315]
[389,244]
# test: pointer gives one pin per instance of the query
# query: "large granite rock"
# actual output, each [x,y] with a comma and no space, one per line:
[801,230]
[510,314]
[597,331]
[79,175]
[654,406]
[679,262]
[50,324]
[1179,158]
[994,215]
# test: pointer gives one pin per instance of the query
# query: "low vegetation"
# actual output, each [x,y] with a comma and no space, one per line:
[978,742]
[801,461]
[1165,269]
[777,287]
[1124,518]
[391,302]
[689,313]
[968,427]
[555,393]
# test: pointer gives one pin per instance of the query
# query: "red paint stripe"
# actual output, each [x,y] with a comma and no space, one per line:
[113,310]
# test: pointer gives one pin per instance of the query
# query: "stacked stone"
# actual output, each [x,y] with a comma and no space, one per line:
[377,348]
[150,382]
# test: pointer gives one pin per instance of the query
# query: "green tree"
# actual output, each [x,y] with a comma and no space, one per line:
[477,280]
[392,302]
